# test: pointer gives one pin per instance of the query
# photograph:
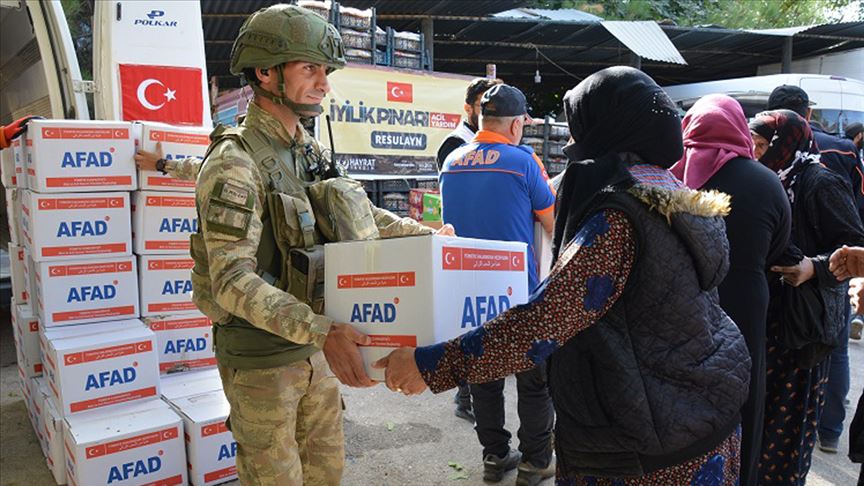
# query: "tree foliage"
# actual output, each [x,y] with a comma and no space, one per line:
[734,14]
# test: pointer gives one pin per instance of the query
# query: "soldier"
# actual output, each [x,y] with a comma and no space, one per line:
[286,411]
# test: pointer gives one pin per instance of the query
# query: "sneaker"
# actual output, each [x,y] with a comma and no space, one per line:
[856,330]
[829,445]
[531,475]
[465,413]
[495,467]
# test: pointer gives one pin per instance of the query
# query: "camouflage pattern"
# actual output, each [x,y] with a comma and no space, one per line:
[283,33]
[287,422]
[186,169]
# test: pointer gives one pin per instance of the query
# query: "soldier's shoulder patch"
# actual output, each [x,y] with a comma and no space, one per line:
[233,194]
[230,208]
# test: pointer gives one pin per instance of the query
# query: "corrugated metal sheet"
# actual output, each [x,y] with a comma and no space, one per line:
[562,15]
[646,39]
[436,7]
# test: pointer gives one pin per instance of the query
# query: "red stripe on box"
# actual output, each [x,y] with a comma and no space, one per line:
[179,137]
[376,280]
[168,182]
[88,181]
[171,306]
[37,368]
[189,363]
[131,443]
[180,324]
[69,451]
[172,481]
[214,429]
[112,399]
[76,250]
[175,264]
[454,258]
[220,474]
[107,353]
[54,389]
[85,133]
[88,269]
[167,245]
[170,201]
[391,341]
[81,203]
[124,310]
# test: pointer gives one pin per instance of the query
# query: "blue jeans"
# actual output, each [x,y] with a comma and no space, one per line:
[834,412]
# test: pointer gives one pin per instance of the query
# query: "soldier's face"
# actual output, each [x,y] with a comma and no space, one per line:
[305,82]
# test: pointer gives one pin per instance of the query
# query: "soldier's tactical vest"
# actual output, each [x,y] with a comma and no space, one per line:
[290,254]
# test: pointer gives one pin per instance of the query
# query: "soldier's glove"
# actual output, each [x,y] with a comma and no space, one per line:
[16,128]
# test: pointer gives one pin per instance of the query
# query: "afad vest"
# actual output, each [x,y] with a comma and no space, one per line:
[288,223]
[660,378]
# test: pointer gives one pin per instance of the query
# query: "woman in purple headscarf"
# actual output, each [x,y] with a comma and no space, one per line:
[718,154]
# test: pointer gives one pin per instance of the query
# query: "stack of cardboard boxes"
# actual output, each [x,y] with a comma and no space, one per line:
[89,368]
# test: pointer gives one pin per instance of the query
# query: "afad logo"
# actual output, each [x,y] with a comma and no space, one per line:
[227,451]
[178,225]
[374,312]
[79,160]
[154,19]
[134,469]
[104,379]
[74,229]
[481,308]
[91,293]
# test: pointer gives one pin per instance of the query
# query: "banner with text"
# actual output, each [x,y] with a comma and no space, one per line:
[389,122]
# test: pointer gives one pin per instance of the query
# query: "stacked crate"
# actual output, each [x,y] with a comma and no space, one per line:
[548,140]
[89,368]
[164,217]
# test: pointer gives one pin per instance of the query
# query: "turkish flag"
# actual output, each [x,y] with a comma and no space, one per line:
[162,94]
[401,92]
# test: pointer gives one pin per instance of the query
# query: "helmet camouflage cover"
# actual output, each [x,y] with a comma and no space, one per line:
[283,33]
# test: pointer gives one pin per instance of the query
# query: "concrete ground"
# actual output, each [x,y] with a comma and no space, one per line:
[390,439]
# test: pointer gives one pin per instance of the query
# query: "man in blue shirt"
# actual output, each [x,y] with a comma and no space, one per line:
[493,188]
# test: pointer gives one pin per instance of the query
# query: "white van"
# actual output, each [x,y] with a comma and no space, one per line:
[838,101]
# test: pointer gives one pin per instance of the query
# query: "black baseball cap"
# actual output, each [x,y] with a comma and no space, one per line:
[853,129]
[789,97]
[503,100]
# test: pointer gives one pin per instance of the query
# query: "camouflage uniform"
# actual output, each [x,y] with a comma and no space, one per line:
[286,409]
[186,169]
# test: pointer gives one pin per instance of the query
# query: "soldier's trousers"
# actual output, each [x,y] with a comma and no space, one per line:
[287,422]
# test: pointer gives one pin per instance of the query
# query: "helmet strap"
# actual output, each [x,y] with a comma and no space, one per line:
[301,109]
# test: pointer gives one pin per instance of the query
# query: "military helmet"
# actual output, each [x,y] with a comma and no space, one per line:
[283,33]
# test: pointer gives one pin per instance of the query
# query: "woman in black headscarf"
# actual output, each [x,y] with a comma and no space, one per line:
[646,372]
[806,310]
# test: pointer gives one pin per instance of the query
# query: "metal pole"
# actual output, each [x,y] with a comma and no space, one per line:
[786,66]
[428,28]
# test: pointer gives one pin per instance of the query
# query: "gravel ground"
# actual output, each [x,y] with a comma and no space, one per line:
[390,439]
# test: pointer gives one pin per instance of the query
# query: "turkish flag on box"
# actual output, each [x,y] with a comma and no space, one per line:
[166,94]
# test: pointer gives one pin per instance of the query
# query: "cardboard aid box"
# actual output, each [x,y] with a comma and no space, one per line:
[177,143]
[179,385]
[36,390]
[80,156]
[421,290]
[18,270]
[7,165]
[184,341]
[210,446]
[14,216]
[70,226]
[82,291]
[52,421]
[162,222]
[134,445]
[542,251]
[54,333]
[26,329]
[165,284]
[93,371]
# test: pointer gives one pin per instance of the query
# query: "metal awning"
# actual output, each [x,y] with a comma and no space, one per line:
[646,39]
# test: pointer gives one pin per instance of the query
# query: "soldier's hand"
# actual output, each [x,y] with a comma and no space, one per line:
[147,160]
[446,230]
[402,374]
[344,358]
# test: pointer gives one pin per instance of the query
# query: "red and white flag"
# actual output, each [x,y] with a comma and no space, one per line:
[165,94]
[401,92]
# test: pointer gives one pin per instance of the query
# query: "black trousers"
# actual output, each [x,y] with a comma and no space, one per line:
[536,417]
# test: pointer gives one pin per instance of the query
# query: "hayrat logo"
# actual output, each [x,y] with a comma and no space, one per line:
[400,92]
[167,94]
